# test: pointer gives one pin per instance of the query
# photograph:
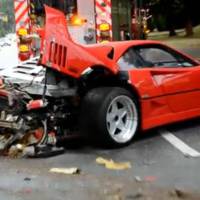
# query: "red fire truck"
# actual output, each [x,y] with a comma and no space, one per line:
[89,21]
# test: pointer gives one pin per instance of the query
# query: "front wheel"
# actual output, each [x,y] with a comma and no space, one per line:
[110,115]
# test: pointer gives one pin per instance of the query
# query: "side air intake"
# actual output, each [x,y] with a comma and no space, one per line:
[58,54]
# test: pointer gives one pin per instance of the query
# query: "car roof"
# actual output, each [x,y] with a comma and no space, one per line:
[121,46]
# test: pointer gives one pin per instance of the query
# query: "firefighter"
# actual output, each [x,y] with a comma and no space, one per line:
[24,44]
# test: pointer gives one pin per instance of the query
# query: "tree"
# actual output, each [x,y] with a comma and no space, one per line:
[169,9]
[7,10]
[177,10]
[188,9]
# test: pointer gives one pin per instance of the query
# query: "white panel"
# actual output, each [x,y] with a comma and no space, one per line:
[86,11]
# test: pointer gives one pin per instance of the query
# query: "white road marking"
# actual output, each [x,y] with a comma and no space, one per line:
[179,144]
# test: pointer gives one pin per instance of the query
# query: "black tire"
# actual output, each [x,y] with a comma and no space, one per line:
[98,121]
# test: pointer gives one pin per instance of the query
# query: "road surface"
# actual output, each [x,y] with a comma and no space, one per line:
[165,165]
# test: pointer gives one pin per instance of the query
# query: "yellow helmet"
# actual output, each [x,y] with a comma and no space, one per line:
[104,27]
[22,32]
[23,48]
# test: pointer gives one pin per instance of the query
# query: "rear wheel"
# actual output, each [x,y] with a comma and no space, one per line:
[110,115]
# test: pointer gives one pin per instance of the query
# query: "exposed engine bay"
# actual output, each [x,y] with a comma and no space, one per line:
[40,114]
[63,95]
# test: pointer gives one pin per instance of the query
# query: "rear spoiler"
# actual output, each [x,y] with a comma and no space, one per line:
[61,53]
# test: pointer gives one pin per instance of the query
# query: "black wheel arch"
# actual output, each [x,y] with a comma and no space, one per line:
[100,76]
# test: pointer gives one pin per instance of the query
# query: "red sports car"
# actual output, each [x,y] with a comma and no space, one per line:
[111,91]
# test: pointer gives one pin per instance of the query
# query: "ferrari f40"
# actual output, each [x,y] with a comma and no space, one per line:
[107,92]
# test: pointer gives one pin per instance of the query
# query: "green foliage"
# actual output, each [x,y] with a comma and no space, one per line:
[160,22]
[7,9]
[175,13]
[166,6]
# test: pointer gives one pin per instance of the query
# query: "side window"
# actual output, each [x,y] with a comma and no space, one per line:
[161,57]
[158,57]
[129,60]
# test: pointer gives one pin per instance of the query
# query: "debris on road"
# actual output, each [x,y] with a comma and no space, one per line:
[33,143]
[110,164]
[150,178]
[27,179]
[138,195]
[34,151]
[138,179]
[26,191]
[68,171]
[15,152]
[180,193]
[114,197]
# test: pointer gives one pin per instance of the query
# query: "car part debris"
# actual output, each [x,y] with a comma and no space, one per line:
[150,178]
[138,195]
[27,179]
[27,126]
[138,179]
[110,164]
[73,170]
[45,151]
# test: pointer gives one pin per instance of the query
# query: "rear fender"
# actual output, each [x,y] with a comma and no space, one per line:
[61,53]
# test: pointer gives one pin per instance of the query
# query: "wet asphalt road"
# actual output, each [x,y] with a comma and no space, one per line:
[154,160]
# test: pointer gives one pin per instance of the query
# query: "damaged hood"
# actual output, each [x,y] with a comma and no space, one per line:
[61,53]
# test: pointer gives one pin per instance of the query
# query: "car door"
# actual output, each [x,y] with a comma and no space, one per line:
[176,74]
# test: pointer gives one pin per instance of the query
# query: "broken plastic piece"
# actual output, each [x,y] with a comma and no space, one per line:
[45,151]
[138,179]
[5,140]
[29,151]
[72,170]
[110,164]
[27,179]
[36,104]
[51,139]
[150,178]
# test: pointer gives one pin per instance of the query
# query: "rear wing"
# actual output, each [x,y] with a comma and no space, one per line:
[61,53]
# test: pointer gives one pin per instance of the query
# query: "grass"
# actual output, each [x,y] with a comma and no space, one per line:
[179,40]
